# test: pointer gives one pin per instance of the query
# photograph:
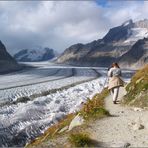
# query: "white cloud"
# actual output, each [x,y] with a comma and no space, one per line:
[62,23]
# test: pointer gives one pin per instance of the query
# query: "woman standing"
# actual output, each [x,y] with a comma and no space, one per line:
[115,81]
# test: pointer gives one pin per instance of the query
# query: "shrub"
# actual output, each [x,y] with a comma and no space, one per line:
[80,140]
[95,108]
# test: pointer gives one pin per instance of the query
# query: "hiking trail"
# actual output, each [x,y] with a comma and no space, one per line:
[127,126]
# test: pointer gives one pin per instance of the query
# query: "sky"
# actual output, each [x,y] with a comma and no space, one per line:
[59,24]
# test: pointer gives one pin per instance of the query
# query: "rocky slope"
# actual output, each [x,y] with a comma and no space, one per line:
[103,52]
[7,63]
[37,54]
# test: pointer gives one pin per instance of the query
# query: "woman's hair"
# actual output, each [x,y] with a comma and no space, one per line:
[115,65]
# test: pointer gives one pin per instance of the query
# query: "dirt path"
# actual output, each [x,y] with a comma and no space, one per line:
[121,130]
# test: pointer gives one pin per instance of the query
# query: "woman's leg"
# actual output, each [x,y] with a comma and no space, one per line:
[115,94]
[112,91]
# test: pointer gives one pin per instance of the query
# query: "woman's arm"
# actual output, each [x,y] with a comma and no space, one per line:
[109,73]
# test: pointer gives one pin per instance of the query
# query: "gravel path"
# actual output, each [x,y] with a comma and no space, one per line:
[126,127]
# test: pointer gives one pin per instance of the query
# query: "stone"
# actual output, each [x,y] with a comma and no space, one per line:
[138,127]
[77,121]
[63,129]
[121,112]
[137,109]
[120,144]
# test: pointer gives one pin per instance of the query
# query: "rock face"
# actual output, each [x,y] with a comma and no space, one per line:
[7,63]
[112,48]
[32,55]
[137,56]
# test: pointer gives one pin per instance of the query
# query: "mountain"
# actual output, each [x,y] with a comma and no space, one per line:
[7,63]
[110,48]
[137,56]
[37,54]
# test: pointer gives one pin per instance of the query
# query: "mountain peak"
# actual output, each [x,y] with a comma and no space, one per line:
[128,22]
[35,54]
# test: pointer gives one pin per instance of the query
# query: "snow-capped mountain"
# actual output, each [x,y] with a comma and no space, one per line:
[110,48]
[7,63]
[137,55]
[36,54]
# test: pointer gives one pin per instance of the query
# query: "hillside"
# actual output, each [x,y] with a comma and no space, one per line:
[102,52]
[7,63]
[137,90]
[36,54]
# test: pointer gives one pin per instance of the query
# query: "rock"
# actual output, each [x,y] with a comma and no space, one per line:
[77,121]
[120,144]
[126,145]
[136,126]
[63,129]
[137,109]
[121,112]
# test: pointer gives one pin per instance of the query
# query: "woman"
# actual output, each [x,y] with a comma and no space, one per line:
[115,81]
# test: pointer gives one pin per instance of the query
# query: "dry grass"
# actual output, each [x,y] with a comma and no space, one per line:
[94,108]
[137,90]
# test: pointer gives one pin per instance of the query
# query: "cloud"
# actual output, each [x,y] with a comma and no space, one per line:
[59,24]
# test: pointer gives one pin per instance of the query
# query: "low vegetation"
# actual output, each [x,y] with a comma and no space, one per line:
[92,109]
[137,89]
[80,140]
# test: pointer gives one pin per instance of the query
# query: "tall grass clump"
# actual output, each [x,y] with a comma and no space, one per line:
[80,140]
[94,108]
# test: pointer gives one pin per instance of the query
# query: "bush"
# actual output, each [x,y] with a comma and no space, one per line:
[80,140]
[95,108]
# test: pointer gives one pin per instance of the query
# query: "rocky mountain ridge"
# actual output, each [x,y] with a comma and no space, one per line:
[36,54]
[7,63]
[111,48]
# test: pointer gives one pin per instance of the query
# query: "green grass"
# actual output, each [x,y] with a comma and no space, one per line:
[80,140]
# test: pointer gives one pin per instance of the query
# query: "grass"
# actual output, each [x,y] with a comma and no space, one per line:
[80,140]
[94,108]
[137,89]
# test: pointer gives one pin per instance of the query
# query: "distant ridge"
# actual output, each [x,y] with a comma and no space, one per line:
[7,63]
[34,55]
